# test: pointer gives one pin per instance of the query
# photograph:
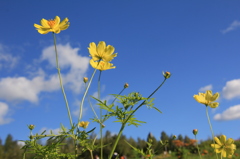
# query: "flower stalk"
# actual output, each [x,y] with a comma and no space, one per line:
[60,80]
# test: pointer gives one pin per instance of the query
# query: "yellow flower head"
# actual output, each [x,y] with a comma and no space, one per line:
[102,65]
[52,25]
[207,98]
[83,124]
[223,146]
[101,51]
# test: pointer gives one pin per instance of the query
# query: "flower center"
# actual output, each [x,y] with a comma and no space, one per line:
[51,23]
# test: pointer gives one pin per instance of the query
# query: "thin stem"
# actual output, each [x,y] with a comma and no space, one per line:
[198,147]
[117,139]
[118,94]
[92,106]
[147,98]
[60,79]
[99,96]
[124,123]
[209,122]
[85,93]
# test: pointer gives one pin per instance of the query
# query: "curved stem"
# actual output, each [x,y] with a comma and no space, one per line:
[85,93]
[198,147]
[99,96]
[60,79]
[116,141]
[147,97]
[124,123]
[209,122]
[118,94]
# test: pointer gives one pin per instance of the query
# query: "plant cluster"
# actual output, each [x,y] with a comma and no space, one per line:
[123,110]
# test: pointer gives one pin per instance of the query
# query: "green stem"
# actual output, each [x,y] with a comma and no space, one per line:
[76,150]
[119,94]
[60,79]
[124,123]
[198,147]
[117,139]
[99,96]
[147,98]
[209,122]
[85,93]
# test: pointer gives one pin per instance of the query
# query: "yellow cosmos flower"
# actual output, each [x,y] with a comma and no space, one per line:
[101,51]
[207,98]
[53,25]
[83,124]
[223,146]
[102,65]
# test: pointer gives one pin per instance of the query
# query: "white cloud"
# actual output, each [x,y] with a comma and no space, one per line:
[208,87]
[231,113]
[4,109]
[68,58]
[77,110]
[232,89]
[49,130]
[235,24]
[6,59]
[24,88]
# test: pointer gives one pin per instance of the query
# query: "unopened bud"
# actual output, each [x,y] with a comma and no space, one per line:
[126,85]
[83,124]
[85,79]
[31,127]
[167,74]
[174,137]
[195,131]
[103,126]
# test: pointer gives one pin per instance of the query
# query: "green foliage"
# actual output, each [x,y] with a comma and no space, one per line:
[125,112]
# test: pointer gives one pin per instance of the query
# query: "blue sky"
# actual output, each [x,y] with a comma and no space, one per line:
[197,41]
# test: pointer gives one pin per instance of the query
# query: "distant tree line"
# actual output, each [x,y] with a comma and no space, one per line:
[178,146]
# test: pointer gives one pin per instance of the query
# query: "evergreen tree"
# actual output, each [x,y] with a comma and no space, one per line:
[11,149]
[180,137]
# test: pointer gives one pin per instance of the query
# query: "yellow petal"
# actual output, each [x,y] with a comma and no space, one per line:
[43,32]
[208,95]
[214,105]
[109,50]
[217,141]
[229,141]
[64,24]
[233,147]
[57,20]
[223,139]
[224,153]
[215,97]
[200,99]
[37,26]
[44,23]
[101,48]
[109,57]
[216,146]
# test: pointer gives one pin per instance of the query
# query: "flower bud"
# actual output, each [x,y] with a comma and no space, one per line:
[31,127]
[83,124]
[85,79]
[126,85]
[167,74]
[174,137]
[195,131]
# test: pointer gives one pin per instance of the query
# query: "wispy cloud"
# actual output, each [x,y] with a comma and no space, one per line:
[208,87]
[231,89]
[235,24]
[231,113]
[49,130]
[6,59]
[25,88]
[4,110]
